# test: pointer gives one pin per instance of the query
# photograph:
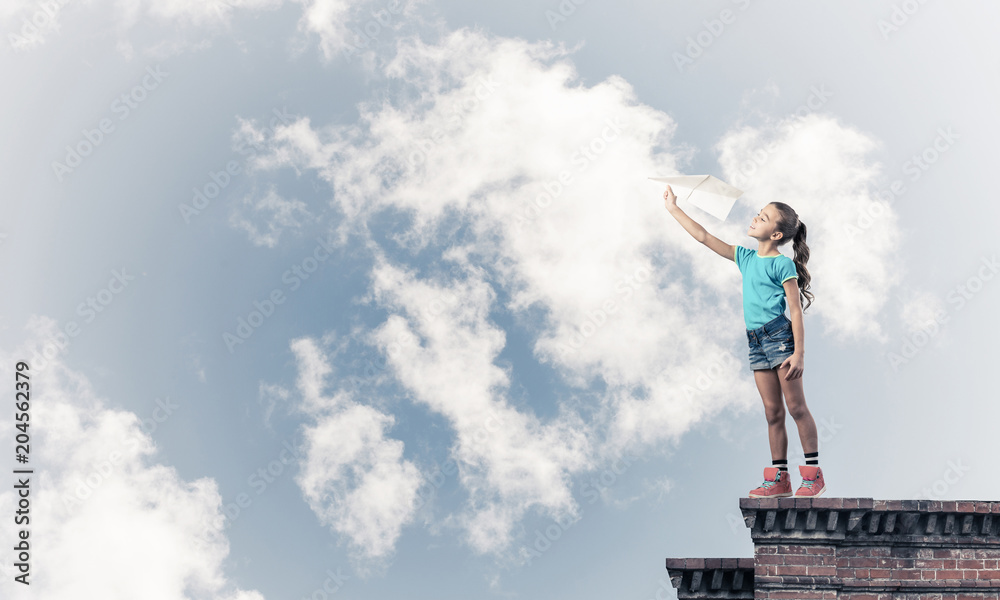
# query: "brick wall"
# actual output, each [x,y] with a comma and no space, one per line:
[864,549]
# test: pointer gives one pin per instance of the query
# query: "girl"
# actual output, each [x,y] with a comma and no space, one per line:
[777,356]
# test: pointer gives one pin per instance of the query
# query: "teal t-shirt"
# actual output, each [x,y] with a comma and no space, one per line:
[763,278]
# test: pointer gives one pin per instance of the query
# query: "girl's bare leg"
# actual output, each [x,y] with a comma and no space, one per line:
[795,398]
[774,411]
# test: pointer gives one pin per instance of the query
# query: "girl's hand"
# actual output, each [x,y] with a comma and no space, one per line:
[796,365]
[669,198]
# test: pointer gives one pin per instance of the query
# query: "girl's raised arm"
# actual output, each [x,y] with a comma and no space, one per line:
[696,230]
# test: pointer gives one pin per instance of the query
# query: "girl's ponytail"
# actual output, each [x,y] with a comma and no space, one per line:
[792,228]
[801,250]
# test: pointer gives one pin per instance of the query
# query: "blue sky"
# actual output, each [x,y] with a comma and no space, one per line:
[306,322]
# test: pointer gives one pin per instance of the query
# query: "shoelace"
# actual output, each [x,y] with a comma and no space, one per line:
[808,483]
[768,483]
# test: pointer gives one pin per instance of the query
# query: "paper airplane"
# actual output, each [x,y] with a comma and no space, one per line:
[714,196]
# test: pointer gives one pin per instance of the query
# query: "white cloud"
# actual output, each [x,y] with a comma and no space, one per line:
[353,477]
[355,29]
[821,169]
[327,19]
[441,345]
[98,499]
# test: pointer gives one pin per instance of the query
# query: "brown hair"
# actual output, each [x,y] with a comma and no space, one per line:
[791,228]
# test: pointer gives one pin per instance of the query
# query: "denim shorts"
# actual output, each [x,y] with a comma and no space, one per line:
[771,343]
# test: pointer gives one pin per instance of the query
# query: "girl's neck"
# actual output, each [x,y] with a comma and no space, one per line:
[767,248]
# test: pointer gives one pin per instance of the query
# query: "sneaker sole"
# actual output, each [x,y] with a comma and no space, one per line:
[788,495]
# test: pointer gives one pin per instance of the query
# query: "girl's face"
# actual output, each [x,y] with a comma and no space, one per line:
[764,224]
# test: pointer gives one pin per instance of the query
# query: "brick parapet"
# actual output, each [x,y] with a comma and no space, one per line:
[866,521]
[862,548]
[857,549]
[703,578]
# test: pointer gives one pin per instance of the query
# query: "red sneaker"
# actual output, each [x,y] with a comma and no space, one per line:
[812,482]
[777,484]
